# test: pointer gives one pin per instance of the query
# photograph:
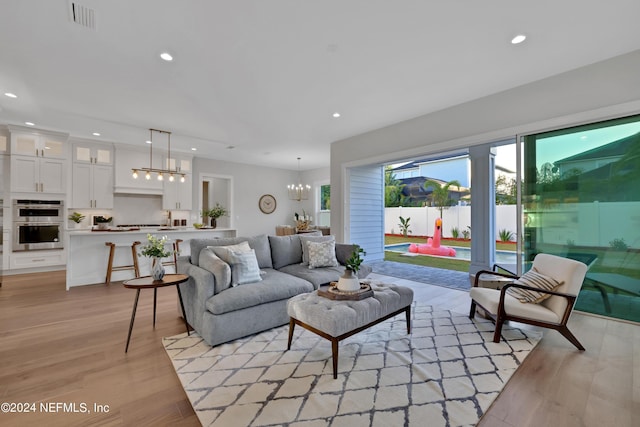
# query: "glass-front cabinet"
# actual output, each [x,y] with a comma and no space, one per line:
[581,199]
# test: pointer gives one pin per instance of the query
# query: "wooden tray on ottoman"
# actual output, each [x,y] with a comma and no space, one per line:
[332,292]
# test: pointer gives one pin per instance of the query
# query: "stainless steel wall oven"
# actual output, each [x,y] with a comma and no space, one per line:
[37,224]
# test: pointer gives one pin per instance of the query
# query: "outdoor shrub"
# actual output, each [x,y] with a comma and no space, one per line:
[455,233]
[619,244]
[505,235]
[404,226]
[466,234]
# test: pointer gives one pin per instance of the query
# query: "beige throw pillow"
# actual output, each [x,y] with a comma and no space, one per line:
[536,280]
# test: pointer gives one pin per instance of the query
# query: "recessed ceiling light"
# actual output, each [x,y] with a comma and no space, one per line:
[518,39]
[10,95]
[29,123]
[193,149]
[166,56]
[96,134]
[336,115]
[148,142]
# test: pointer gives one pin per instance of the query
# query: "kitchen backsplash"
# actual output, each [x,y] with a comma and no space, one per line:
[138,209]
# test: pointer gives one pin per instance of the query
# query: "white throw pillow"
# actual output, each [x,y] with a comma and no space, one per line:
[322,254]
[244,268]
[536,280]
[223,251]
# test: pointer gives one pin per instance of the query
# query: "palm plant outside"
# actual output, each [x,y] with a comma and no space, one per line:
[393,196]
[440,193]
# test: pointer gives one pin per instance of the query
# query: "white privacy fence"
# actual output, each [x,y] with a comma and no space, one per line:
[581,224]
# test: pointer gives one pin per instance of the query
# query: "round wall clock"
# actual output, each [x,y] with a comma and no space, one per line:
[267,203]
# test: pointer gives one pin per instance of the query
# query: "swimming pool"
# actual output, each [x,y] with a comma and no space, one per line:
[502,257]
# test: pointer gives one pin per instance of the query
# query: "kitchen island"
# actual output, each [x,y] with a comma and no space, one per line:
[87,253]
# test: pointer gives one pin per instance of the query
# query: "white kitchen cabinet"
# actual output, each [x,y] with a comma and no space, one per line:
[92,186]
[92,153]
[180,163]
[38,145]
[38,161]
[31,259]
[30,174]
[127,159]
[178,195]
[92,183]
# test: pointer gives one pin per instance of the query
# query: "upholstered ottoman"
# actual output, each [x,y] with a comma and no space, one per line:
[337,320]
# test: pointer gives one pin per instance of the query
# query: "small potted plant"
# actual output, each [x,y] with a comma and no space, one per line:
[156,250]
[349,281]
[216,212]
[76,218]
[102,221]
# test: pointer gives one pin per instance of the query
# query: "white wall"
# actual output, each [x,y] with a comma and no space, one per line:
[249,183]
[596,92]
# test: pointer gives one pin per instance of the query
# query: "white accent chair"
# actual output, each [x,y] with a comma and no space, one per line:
[551,313]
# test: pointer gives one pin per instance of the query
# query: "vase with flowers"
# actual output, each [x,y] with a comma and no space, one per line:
[156,250]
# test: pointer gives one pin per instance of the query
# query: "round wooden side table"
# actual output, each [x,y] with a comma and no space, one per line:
[147,282]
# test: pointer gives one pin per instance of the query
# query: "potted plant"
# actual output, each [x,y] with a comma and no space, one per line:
[216,212]
[102,221]
[76,218]
[349,281]
[156,250]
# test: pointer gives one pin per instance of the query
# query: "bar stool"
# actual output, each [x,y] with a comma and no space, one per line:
[176,249]
[111,268]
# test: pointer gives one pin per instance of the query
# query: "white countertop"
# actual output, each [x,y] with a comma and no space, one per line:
[87,253]
[142,230]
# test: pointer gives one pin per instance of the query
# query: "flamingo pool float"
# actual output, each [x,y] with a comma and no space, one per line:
[432,247]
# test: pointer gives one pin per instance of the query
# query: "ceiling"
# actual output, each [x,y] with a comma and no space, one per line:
[257,81]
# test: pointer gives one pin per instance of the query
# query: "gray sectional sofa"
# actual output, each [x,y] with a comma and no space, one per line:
[220,312]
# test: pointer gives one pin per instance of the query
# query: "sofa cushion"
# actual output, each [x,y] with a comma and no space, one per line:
[304,241]
[263,251]
[322,254]
[285,250]
[244,267]
[344,251]
[274,286]
[317,276]
[220,269]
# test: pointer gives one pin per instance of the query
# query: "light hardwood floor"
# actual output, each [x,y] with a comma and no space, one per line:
[68,347]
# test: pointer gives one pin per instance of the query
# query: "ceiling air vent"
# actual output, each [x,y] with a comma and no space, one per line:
[82,15]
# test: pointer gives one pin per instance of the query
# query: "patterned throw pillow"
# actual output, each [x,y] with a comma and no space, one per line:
[322,254]
[305,245]
[244,268]
[536,280]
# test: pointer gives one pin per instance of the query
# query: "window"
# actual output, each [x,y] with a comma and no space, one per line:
[323,217]
[580,200]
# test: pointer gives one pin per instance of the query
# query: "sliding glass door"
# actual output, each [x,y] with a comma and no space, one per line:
[581,199]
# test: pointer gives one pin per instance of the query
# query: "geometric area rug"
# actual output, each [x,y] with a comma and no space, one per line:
[446,373]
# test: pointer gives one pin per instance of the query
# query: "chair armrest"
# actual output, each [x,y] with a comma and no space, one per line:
[495,273]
